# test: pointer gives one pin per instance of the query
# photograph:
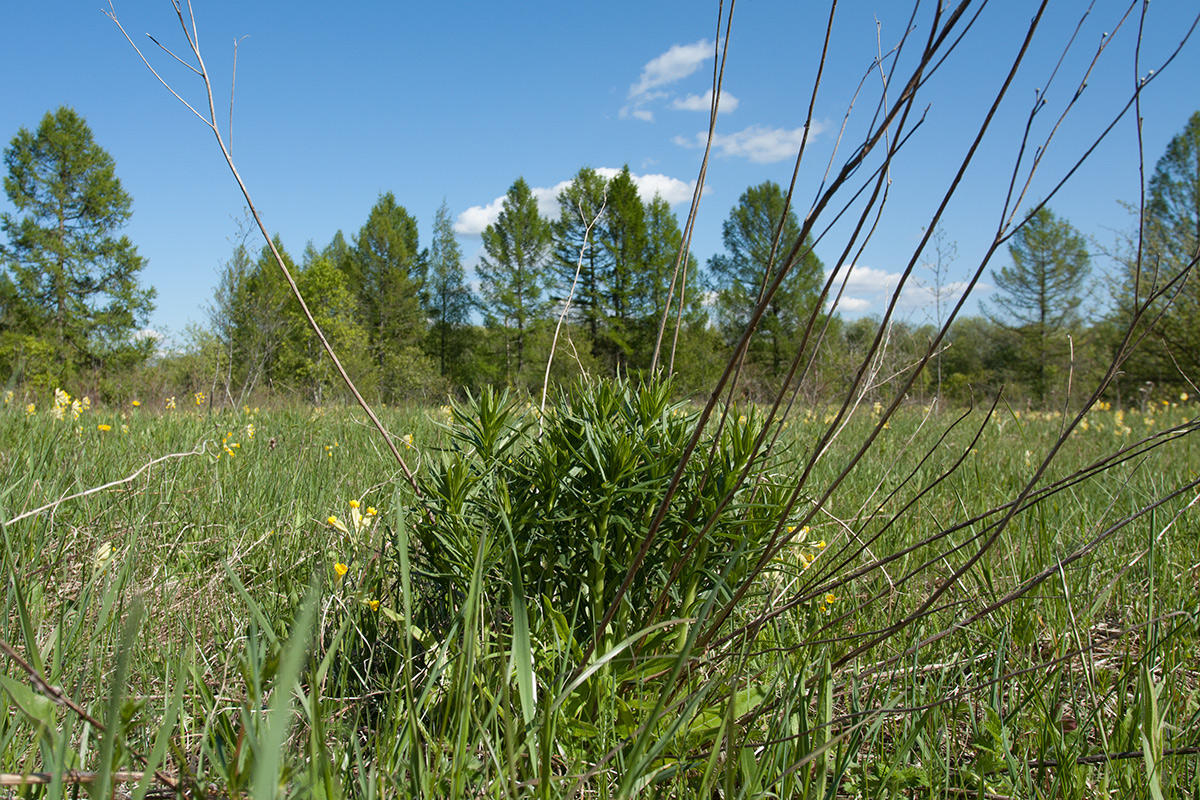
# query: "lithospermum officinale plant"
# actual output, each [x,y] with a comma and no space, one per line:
[540,522]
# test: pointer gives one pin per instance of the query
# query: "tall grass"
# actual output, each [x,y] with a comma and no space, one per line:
[449,658]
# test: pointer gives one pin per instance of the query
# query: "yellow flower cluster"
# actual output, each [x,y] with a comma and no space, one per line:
[229,447]
[828,601]
[360,521]
[63,404]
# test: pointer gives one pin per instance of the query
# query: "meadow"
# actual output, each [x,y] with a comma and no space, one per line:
[260,604]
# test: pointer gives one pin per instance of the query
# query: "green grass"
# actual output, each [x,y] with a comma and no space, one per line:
[475,645]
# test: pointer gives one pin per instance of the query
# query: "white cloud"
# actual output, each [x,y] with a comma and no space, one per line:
[675,64]
[866,288]
[762,144]
[703,102]
[472,221]
[866,280]
[854,304]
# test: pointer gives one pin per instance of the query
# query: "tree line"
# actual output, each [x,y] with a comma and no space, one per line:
[409,325]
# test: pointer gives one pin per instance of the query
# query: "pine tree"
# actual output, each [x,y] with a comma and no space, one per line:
[1041,292]
[75,298]
[512,274]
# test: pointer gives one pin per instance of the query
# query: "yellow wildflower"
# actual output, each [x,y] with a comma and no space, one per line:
[830,599]
[1183,397]
[337,523]
[408,440]
[341,569]
[136,403]
[87,403]
[103,427]
[354,504]
[170,403]
[102,557]
[374,604]
[821,545]
[30,410]
[8,396]
[371,511]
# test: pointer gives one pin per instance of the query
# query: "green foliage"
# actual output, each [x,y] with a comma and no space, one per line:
[575,491]
[70,284]
[387,273]
[326,292]
[512,274]
[1041,292]
[1170,244]
[448,300]
[759,240]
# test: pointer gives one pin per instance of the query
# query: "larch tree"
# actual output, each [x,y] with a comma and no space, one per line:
[73,300]
[447,297]
[581,209]
[751,262]
[1172,244]
[388,274]
[512,273]
[623,239]
[1041,292]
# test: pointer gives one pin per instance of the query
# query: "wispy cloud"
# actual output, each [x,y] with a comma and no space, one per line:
[703,102]
[674,65]
[762,144]
[473,221]
[869,289]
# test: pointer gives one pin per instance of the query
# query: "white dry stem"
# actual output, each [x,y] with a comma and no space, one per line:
[198,451]
[583,248]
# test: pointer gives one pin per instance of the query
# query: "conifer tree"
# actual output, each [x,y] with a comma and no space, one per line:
[73,300]
[576,232]
[512,273]
[387,271]
[448,299]
[1041,292]
[747,266]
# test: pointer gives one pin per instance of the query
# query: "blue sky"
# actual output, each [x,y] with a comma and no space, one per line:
[455,100]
